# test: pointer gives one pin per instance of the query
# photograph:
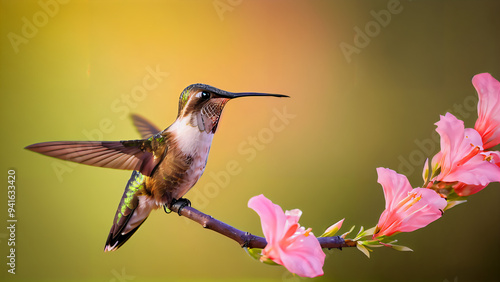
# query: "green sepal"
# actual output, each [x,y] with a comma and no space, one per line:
[379,243]
[455,197]
[364,233]
[397,247]
[373,243]
[425,174]
[454,200]
[430,172]
[401,248]
[269,261]
[348,232]
[330,233]
[452,204]
[256,253]
[334,229]
[363,249]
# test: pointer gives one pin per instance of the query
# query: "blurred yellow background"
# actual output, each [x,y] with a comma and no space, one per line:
[367,80]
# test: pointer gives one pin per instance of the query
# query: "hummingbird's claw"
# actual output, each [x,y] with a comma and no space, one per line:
[166,209]
[180,203]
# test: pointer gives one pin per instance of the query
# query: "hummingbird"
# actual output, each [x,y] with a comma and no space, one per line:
[166,164]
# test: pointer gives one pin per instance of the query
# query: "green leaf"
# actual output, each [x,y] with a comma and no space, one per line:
[254,252]
[452,204]
[364,233]
[363,249]
[348,232]
[257,254]
[401,248]
[396,247]
[425,175]
[375,245]
[359,232]
[332,230]
[453,196]
[436,170]
[372,243]
[269,261]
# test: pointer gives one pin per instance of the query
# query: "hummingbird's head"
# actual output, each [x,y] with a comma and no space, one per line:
[203,104]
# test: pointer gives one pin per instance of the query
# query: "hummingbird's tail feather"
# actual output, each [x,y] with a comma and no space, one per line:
[132,211]
[128,155]
[113,243]
[144,126]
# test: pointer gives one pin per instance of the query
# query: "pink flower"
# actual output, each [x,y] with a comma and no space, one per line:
[406,209]
[488,107]
[462,158]
[288,243]
[463,189]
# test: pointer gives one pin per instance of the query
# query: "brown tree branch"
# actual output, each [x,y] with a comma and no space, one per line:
[245,239]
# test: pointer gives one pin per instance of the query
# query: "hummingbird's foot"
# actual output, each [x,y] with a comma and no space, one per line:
[180,203]
[166,209]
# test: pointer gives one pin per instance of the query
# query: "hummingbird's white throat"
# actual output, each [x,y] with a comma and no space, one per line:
[189,138]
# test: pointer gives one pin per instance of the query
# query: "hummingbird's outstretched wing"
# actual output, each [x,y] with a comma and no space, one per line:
[129,155]
[144,126]
[130,213]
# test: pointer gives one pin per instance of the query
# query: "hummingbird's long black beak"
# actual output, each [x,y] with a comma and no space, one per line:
[227,94]
[231,95]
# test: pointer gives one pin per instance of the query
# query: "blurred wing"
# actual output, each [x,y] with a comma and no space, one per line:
[128,155]
[145,127]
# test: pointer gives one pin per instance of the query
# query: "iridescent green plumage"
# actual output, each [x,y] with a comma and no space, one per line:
[128,204]
[135,183]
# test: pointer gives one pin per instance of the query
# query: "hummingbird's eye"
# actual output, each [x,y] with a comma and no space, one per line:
[205,95]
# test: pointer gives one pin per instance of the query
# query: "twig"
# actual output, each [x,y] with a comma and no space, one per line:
[245,239]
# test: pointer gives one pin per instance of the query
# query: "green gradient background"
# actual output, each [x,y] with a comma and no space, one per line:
[350,119]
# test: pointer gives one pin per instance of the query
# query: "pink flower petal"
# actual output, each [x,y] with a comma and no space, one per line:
[293,216]
[288,244]
[463,189]
[488,107]
[425,211]
[476,171]
[306,259]
[456,142]
[271,215]
[396,186]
